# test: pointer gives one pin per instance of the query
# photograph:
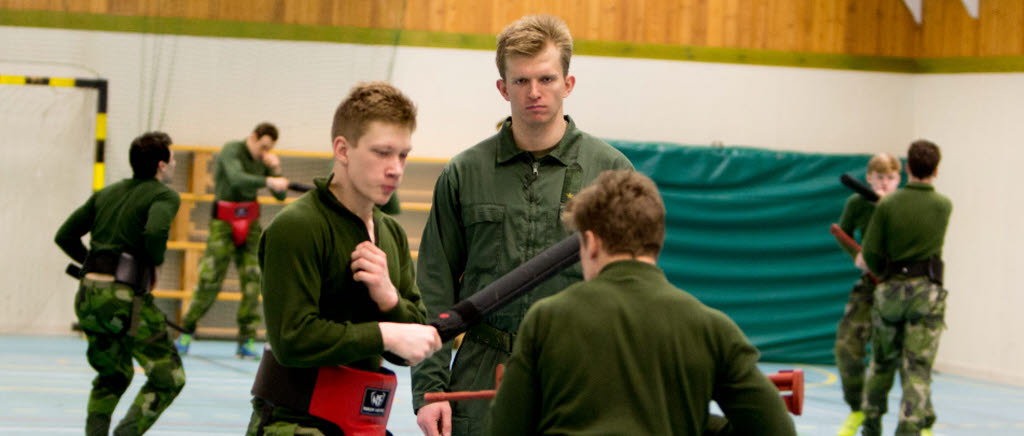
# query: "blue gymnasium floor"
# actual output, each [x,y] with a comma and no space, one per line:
[45,382]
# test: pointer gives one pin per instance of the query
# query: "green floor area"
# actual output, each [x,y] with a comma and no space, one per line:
[45,382]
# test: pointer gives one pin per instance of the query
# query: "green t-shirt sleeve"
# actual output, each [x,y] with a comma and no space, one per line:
[515,408]
[69,235]
[848,222]
[874,240]
[235,173]
[291,255]
[158,225]
[748,399]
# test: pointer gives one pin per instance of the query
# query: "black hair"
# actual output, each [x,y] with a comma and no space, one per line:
[146,153]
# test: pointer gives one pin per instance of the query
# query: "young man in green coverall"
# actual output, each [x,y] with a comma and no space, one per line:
[121,322]
[496,206]
[626,352]
[242,168]
[854,329]
[903,247]
[338,279]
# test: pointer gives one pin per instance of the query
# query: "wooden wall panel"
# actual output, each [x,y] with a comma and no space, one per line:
[857,27]
[1000,29]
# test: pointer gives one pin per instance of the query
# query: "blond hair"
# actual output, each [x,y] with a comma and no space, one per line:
[883,163]
[530,35]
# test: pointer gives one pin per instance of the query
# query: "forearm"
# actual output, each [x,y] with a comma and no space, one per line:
[304,339]
[431,375]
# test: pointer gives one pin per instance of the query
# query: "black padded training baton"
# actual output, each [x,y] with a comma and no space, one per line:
[502,291]
[859,187]
[299,187]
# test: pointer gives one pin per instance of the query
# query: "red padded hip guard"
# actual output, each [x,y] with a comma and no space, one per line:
[357,401]
[239,214]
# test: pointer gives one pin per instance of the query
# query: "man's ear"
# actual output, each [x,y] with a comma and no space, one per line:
[502,89]
[341,147]
[570,83]
[590,244]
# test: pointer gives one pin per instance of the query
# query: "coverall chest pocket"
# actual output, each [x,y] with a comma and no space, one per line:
[485,235]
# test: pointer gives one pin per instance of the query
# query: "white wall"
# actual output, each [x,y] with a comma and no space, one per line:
[976,119]
[209,90]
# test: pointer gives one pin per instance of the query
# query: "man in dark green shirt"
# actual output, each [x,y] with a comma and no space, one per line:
[495,206]
[338,280]
[903,247]
[131,217]
[242,168]
[854,328]
[626,352]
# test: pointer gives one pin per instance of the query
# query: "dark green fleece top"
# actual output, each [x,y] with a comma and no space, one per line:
[131,216]
[628,353]
[316,313]
[238,175]
[855,218]
[908,225]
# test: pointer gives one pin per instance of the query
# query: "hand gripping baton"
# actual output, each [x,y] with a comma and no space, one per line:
[848,242]
[502,291]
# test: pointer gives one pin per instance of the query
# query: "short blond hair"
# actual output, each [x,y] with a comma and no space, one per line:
[624,209]
[368,102]
[530,35]
[883,163]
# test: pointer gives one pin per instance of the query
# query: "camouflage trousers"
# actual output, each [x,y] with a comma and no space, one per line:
[908,318]
[852,337]
[285,422]
[213,266]
[104,312]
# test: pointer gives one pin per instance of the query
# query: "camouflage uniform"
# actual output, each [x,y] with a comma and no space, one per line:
[104,312]
[854,328]
[907,228]
[220,249]
[238,175]
[852,338]
[908,319]
[132,216]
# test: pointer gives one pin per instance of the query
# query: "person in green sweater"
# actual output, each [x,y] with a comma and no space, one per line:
[626,352]
[854,328]
[242,168]
[339,286]
[128,223]
[496,206]
[903,247]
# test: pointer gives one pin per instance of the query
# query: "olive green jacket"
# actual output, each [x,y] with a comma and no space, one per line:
[496,206]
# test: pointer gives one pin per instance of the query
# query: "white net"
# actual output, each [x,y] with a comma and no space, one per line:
[48,140]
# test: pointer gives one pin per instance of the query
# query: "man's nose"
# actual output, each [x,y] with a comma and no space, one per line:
[534,89]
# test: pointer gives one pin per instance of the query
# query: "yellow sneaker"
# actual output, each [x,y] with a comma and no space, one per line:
[926,432]
[851,424]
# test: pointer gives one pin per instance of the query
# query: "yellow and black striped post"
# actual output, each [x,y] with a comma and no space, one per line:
[100,85]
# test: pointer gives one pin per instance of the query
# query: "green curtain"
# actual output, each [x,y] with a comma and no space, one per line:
[748,234]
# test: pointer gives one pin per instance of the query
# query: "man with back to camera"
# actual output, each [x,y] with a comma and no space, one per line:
[339,285]
[242,168]
[626,352]
[903,247]
[854,330]
[495,206]
[128,223]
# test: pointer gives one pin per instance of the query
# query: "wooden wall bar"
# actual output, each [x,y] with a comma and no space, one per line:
[852,27]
